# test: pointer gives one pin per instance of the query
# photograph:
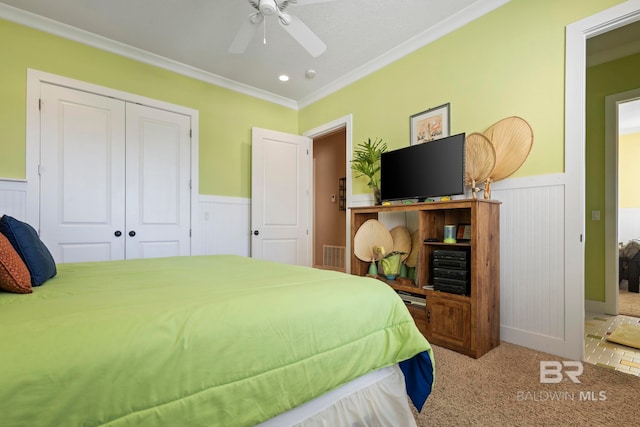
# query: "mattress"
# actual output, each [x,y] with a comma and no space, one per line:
[210,340]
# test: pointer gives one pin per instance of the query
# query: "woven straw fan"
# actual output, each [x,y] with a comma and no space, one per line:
[512,139]
[412,259]
[480,159]
[401,241]
[372,233]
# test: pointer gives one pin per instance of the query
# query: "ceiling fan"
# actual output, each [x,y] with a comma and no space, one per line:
[293,25]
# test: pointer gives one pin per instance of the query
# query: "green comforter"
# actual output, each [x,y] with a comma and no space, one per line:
[210,340]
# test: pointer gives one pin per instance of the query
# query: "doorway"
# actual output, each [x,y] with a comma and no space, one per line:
[342,127]
[576,36]
[329,205]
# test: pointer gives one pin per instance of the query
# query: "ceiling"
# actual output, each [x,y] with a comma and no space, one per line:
[193,37]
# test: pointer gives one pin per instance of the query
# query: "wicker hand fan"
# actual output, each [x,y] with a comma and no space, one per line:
[480,160]
[401,241]
[512,139]
[412,259]
[372,233]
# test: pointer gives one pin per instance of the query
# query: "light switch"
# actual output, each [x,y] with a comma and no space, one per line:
[595,215]
[333,198]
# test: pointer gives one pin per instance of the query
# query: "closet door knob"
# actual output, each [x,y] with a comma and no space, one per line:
[118,233]
[132,233]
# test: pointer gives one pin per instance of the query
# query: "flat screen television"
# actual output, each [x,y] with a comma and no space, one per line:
[429,169]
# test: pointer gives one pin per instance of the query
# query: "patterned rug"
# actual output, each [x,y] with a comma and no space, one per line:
[626,334]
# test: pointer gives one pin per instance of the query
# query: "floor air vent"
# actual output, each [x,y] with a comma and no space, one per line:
[333,257]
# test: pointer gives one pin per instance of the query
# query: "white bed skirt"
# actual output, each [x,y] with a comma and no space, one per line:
[378,398]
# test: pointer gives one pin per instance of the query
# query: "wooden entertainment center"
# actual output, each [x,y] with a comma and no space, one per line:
[469,323]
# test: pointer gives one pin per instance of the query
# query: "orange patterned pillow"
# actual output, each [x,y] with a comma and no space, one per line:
[14,275]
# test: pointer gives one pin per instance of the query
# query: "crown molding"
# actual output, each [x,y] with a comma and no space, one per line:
[56,28]
[444,27]
[469,14]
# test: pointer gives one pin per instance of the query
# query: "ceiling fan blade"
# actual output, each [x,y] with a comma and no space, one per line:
[245,34]
[303,35]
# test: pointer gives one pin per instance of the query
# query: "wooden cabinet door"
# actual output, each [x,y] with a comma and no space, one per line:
[449,322]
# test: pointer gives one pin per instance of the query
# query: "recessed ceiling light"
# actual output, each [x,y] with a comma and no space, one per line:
[283,78]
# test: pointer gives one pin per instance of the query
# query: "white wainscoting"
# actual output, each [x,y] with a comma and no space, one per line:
[532,285]
[13,198]
[225,224]
[532,289]
[628,224]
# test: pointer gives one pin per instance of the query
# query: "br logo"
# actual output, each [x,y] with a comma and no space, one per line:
[551,372]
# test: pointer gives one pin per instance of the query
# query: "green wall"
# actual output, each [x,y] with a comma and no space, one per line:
[226,117]
[602,80]
[508,62]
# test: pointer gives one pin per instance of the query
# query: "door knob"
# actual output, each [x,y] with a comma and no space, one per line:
[256,232]
[118,233]
[132,233]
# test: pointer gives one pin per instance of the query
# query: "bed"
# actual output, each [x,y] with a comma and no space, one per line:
[217,340]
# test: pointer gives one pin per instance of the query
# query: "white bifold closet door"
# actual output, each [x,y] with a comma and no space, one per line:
[114,178]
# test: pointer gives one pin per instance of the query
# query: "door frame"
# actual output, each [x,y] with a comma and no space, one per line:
[345,122]
[577,34]
[35,78]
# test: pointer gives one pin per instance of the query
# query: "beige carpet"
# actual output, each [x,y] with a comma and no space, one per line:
[503,388]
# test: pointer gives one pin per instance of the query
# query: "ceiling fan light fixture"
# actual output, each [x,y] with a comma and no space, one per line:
[268,7]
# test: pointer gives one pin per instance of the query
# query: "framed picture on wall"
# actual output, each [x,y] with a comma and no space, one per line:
[430,124]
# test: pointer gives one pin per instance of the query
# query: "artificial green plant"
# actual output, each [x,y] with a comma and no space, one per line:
[366,162]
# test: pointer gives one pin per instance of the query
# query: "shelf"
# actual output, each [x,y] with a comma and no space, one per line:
[460,245]
[469,324]
[398,287]
[440,294]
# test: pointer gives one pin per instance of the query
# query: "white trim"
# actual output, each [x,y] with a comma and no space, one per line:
[535,181]
[34,80]
[347,123]
[226,200]
[442,28]
[470,13]
[575,94]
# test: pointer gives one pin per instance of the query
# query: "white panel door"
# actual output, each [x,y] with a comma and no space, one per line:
[158,182]
[280,182]
[82,190]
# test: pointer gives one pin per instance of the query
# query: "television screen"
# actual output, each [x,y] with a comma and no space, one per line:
[429,169]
